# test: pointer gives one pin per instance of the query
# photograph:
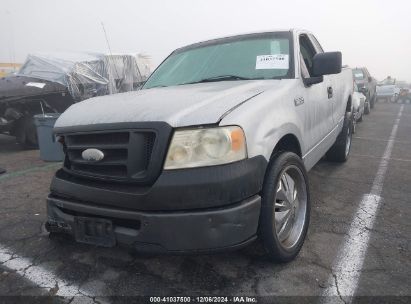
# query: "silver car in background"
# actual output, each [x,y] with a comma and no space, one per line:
[388,89]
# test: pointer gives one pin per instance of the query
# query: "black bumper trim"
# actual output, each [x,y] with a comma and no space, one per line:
[189,231]
[185,189]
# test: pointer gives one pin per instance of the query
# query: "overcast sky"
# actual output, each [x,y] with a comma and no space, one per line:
[371,33]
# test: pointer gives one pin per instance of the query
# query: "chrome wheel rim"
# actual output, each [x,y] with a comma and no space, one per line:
[290,206]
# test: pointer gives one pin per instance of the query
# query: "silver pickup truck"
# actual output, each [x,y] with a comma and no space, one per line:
[211,154]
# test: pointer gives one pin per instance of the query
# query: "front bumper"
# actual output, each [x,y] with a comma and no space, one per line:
[196,231]
[197,209]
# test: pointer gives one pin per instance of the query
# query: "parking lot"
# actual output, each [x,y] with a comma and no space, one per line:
[358,240]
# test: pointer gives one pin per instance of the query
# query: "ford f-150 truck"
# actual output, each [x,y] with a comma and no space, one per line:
[211,154]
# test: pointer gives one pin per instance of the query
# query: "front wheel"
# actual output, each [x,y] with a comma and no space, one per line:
[360,118]
[285,207]
[367,109]
[371,101]
[354,125]
[394,98]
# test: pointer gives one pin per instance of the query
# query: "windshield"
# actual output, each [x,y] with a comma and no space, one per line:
[358,74]
[252,58]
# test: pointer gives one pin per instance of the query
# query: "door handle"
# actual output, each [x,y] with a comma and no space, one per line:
[330,92]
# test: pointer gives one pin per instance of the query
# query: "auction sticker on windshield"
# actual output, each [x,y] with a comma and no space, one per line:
[269,62]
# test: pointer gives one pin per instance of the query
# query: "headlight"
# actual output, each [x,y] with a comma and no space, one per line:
[206,147]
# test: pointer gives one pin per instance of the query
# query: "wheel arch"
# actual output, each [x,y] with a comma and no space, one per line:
[288,143]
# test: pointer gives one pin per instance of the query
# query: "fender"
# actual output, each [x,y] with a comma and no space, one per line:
[274,136]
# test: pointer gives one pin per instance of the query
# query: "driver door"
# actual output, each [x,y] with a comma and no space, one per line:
[319,116]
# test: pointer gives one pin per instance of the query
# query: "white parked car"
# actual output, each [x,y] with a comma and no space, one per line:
[360,107]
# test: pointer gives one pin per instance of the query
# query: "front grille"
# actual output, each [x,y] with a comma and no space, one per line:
[100,138]
[127,154]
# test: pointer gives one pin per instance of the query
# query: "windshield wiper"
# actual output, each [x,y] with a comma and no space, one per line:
[210,79]
[156,86]
[219,78]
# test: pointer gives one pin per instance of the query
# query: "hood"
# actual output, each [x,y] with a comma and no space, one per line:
[185,105]
[16,86]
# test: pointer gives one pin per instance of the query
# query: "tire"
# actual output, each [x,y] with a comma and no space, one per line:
[395,98]
[282,233]
[367,109]
[340,151]
[354,125]
[360,118]
[371,102]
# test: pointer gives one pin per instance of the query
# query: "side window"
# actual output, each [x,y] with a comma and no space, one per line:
[307,51]
[316,44]
[304,70]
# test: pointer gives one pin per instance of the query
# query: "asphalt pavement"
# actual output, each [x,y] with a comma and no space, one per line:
[358,240]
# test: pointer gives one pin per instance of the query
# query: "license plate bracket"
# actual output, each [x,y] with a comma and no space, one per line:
[94,231]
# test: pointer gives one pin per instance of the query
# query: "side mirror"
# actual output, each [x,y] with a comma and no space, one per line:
[313,80]
[327,63]
[370,79]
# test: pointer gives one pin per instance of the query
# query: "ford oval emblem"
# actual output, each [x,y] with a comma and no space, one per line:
[93,155]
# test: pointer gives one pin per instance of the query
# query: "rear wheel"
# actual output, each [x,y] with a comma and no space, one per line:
[285,207]
[341,149]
